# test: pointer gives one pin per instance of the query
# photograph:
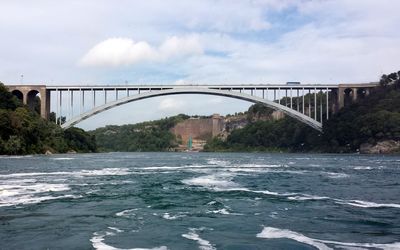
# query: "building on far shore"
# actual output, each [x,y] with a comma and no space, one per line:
[199,129]
[203,129]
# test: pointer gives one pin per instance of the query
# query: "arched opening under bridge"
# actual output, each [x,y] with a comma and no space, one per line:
[33,101]
[18,94]
[348,96]
[205,91]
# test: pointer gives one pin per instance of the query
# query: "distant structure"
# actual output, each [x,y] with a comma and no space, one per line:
[199,128]
[311,104]
[28,93]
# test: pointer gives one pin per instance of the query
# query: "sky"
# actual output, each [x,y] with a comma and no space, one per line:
[195,42]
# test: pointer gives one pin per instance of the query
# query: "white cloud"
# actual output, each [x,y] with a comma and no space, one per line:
[171,104]
[124,51]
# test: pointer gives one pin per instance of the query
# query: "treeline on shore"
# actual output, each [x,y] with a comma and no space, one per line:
[23,131]
[368,121]
[145,136]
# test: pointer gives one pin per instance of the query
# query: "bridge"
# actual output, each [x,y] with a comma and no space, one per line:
[311,104]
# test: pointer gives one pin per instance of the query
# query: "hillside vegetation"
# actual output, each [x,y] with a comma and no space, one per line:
[146,136]
[23,131]
[370,120]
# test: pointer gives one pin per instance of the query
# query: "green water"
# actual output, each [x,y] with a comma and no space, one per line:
[200,201]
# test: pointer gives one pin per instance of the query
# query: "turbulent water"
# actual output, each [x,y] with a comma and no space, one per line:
[200,201]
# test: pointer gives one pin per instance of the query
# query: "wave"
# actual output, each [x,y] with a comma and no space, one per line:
[127,212]
[63,159]
[203,244]
[94,172]
[215,181]
[14,192]
[362,168]
[116,229]
[167,216]
[334,175]
[276,233]
[32,200]
[366,204]
[306,197]
[15,156]
[219,211]
[98,243]
[213,161]
[223,182]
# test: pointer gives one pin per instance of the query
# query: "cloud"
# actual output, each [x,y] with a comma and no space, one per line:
[197,42]
[171,104]
[124,51]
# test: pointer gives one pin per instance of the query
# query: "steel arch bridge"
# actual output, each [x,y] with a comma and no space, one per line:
[311,104]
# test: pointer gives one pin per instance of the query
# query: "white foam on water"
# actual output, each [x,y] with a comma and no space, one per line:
[273,215]
[291,171]
[127,212]
[271,193]
[203,244]
[15,156]
[219,211]
[167,216]
[116,229]
[25,192]
[63,159]
[160,168]
[366,204]
[305,197]
[94,172]
[335,175]
[31,174]
[217,162]
[262,166]
[26,199]
[219,182]
[98,244]
[362,168]
[248,170]
[276,233]
[104,171]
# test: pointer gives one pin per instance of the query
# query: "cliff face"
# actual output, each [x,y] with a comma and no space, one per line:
[199,128]
[203,129]
[382,147]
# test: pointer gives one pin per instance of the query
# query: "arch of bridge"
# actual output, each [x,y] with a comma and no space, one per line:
[207,91]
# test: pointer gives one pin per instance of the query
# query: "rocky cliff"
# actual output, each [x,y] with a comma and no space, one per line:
[381,147]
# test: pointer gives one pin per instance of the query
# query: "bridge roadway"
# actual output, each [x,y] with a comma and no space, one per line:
[308,103]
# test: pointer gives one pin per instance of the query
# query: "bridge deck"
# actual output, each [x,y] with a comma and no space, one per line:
[161,87]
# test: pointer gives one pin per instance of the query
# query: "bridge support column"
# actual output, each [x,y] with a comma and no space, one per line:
[340,99]
[44,103]
[355,94]
[25,97]
[334,105]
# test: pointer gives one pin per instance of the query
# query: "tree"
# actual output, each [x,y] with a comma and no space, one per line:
[384,80]
[8,100]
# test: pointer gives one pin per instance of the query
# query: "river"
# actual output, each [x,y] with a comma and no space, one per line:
[200,201]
